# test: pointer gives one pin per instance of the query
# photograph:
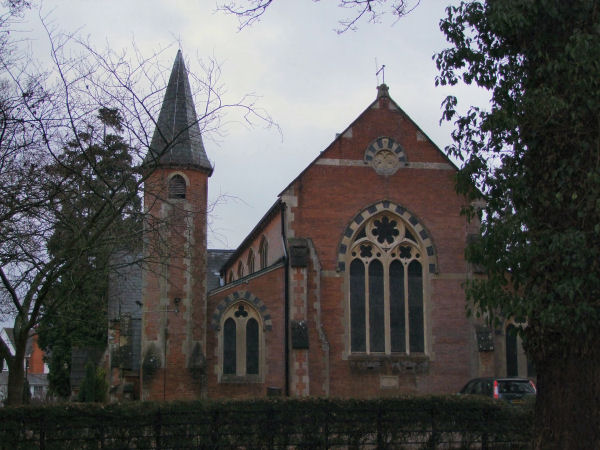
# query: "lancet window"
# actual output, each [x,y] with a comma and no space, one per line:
[241,340]
[264,253]
[250,262]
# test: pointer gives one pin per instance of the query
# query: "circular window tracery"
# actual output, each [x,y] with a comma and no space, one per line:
[385,156]
[386,235]
[410,231]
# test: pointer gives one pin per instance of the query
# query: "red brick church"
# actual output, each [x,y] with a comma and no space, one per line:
[349,286]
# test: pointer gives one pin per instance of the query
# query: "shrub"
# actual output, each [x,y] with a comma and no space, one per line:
[414,422]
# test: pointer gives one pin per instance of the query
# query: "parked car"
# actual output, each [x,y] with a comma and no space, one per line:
[512,390]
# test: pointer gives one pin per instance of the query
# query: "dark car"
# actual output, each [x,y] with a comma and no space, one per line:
[512,390]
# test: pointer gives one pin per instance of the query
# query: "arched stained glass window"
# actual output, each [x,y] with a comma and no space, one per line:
[376,307]
[386,288]
[415,306]
[357,306]
[397,320]
[229,347]
[241,341]
[252,347]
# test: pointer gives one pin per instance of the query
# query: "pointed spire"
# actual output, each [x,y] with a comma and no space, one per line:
[177,140]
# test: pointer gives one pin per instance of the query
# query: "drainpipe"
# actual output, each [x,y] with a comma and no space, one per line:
[286,313]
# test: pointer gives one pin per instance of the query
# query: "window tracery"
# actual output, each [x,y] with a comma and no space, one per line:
[241,342]
[386,288]
[385,155]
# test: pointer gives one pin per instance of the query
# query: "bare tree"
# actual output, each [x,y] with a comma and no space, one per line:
[250,11]
[42,114]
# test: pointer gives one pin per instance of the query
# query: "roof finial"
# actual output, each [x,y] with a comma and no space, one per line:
[382,70]
[382,91]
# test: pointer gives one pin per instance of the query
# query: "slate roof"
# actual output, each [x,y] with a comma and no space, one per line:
[125,286]
[177,126]
[276,207]
[215,260]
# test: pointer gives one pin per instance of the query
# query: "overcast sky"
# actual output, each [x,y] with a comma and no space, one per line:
[312,81]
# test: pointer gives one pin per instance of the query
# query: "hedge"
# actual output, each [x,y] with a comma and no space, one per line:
[461,422]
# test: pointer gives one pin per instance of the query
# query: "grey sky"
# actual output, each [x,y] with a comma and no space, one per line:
[312,81]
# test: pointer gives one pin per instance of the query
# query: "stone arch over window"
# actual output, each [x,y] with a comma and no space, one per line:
[177,187]
[385,155]
[241,320]
[263,252]
[240,270]
[420,233]
[248,297]
[250,262]
[387,256]
[241,338]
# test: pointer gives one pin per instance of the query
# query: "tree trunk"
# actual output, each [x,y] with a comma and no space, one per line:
[568,402]
[16,373]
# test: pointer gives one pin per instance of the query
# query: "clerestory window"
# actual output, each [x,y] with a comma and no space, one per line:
[386,288]
[241,342]
[263,252]
[250,262]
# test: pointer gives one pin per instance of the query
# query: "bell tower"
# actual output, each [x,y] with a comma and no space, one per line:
[174,272]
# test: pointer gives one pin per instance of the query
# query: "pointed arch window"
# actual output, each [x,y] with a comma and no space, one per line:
[386,288]
[177,187]
[250,262]
[241,343]
[240,270]
[264,253]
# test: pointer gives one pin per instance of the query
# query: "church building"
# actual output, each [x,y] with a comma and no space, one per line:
[351,284]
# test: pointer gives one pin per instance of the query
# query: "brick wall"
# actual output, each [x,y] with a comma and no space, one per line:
[328,195]
[174,285]
[267,287]
[36,360]
[320,205]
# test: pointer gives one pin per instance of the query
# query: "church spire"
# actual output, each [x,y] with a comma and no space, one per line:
[177,141]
